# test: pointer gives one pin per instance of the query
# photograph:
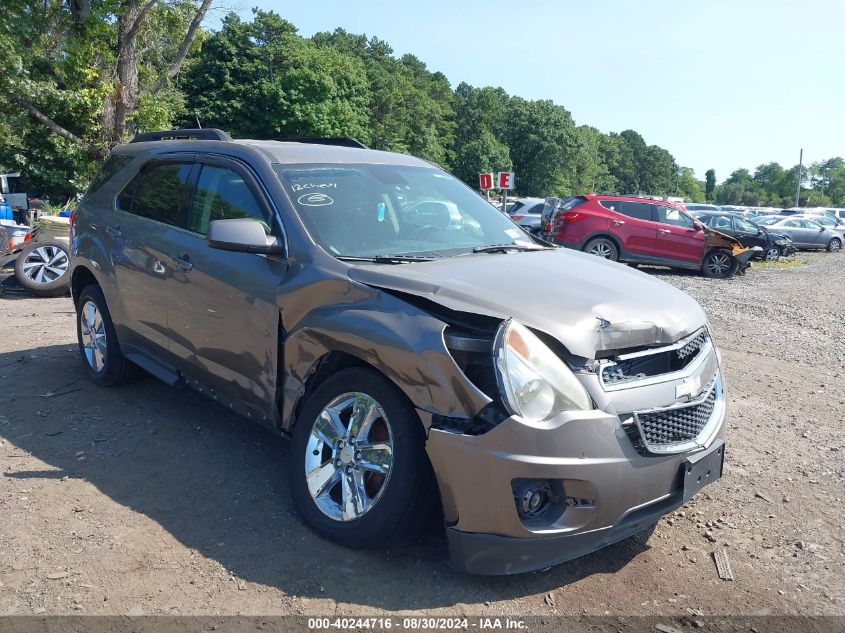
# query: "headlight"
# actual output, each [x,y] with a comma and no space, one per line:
[534,382]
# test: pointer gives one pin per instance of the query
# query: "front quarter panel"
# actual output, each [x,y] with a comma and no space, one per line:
[399,340]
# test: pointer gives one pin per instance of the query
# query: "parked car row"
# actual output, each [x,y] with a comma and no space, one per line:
[649,230]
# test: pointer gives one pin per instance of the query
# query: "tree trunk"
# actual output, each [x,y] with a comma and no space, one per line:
[125,96]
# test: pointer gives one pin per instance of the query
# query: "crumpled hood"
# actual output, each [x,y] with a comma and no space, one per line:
[587,303]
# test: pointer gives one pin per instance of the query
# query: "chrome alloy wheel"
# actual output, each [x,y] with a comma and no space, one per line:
[45,264]
[719,264]
[93,332]
[349,456]
[601,250]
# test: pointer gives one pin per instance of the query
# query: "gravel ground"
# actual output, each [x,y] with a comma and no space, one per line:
[150,500]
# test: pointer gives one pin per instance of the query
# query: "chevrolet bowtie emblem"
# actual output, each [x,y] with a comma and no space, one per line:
[690,387]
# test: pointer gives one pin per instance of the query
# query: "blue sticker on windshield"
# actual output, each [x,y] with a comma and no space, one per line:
[381,209]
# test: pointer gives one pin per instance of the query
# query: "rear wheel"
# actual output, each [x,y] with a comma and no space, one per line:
[104,363]
[719,264]
[359,474]
[42,268]
[834,245]
[602,247]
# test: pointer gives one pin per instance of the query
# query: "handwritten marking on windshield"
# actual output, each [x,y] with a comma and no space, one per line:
[315,200]
[313,185]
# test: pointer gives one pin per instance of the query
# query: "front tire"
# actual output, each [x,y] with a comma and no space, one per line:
[772,254]
[719,264]
[42,268]
[834,245]
[359,474]
[602,247]
[104,363]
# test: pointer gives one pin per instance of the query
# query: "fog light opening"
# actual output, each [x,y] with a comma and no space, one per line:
[532,497]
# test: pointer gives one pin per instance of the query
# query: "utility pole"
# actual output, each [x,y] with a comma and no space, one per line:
[798,186]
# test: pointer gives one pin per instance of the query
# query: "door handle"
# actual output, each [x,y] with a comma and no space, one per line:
[618,222]
[114,231]
[663,231]
[182,262]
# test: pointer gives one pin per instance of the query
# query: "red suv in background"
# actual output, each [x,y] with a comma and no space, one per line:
[644,231]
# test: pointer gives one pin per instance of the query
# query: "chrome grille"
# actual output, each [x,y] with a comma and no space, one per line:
[665,360]
[693,346]
[678,428]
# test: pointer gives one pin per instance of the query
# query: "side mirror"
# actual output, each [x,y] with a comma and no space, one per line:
[698,226]
[242,235]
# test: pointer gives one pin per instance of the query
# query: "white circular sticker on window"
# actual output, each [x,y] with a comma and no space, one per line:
[315,200]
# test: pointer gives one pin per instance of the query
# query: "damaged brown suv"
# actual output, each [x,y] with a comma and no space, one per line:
[382,315]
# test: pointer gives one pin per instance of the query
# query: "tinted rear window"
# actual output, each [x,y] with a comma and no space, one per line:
[161,193]
[113,164]
[638,210]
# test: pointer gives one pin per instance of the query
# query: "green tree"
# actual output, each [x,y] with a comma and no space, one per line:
[78,83]
[260,79]
[689,187]
[709,184]
[541,138]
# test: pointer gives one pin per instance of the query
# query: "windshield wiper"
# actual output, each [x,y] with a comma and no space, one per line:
[387,259]
[504,248]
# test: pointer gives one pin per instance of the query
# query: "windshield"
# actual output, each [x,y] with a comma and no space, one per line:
[376,210]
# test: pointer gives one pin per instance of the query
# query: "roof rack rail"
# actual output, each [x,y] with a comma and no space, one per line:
[197,134]
[325,140]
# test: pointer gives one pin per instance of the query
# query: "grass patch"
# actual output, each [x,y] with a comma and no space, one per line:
[790,262]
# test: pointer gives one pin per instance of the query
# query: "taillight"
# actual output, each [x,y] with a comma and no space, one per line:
[72,221]
[26,237]
[572,216]
[517,217]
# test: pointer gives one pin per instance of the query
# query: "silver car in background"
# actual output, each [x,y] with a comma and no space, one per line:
[806,233]
[526,212]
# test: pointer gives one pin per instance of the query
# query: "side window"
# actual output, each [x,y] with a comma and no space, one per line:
[794,224]
[671,215]
[722,223]
[113,164]
[124,198]
[161,193]
[745,226]
[537,208]
[638,210]
[222,194]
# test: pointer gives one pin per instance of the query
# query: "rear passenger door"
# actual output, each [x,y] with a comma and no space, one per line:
[147,223]
[633,224]
[677,236]
[225,315]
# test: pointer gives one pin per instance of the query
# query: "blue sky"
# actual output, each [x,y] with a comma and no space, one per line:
[722,84]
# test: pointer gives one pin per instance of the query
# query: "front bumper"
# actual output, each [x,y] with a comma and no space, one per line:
[612,489]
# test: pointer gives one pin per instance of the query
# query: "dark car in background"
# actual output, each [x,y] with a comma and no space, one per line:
[773,245]
[640,230]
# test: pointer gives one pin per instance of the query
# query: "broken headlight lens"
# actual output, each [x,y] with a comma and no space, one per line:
[535,384]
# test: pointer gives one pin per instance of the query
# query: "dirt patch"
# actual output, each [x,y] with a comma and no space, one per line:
[152,500]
